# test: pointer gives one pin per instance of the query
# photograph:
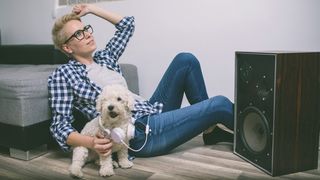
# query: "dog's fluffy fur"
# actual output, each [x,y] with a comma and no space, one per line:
[115,104]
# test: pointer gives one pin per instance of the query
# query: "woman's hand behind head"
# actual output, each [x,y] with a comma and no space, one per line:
[81,9]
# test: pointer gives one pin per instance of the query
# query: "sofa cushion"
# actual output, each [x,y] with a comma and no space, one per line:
[24,94]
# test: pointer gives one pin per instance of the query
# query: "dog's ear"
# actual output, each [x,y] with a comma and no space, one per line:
[98,103]
[130,101]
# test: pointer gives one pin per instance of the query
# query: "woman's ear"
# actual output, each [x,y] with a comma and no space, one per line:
[66,49]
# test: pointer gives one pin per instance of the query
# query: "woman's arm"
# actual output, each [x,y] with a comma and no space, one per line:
[125,28]
[84,9]
[100,144]
[61,99]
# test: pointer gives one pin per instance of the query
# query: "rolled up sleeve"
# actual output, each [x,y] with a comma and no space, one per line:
[116,46]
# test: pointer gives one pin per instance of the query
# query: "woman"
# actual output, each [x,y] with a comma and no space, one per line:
[77,84]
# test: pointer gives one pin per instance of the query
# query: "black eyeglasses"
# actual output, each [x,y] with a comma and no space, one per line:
[80,33]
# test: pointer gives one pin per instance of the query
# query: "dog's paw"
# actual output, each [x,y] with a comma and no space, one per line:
[75,171]
[125,163]
[106,171]
[97,162]
[115,164]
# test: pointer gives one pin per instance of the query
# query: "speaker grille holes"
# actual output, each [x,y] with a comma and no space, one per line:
[246,72]
[263,88]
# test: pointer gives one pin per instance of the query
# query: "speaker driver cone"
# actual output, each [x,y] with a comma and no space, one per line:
[254,129]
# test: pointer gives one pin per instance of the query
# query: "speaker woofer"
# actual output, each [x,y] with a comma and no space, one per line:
[254,130]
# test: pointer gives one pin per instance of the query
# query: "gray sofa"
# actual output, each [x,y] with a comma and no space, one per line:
[25,114]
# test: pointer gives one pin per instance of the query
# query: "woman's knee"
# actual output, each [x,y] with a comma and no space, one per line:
[186,58]
[222,102]
[224,111]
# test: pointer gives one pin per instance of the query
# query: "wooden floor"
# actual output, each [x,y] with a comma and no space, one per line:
[189,161]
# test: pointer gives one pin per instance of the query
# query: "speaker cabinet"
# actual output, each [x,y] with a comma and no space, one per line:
[277,105]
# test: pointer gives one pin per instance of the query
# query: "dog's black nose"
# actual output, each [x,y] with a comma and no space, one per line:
[110,107]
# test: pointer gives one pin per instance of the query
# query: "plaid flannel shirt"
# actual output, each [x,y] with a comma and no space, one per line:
[69,87]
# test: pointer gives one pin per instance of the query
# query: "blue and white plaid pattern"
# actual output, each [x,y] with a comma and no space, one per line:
[69,87]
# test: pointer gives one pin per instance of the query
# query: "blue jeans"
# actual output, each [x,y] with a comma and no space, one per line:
[176,125]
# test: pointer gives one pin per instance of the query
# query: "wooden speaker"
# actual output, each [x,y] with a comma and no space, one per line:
[277,105]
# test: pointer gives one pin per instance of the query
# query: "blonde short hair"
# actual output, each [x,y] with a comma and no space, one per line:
[58,36]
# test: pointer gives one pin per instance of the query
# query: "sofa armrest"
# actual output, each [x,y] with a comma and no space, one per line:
[130,73]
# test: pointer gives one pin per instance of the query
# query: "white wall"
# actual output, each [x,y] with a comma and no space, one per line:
[25,22]
[211,29]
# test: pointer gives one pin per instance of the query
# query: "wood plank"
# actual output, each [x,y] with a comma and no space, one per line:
[192,160]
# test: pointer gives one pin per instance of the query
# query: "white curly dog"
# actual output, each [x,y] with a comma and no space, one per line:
[115,104]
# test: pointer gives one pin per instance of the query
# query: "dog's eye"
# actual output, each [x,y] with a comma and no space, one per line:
[119,99]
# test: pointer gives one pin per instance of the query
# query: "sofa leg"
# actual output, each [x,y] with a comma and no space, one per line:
[29,154]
